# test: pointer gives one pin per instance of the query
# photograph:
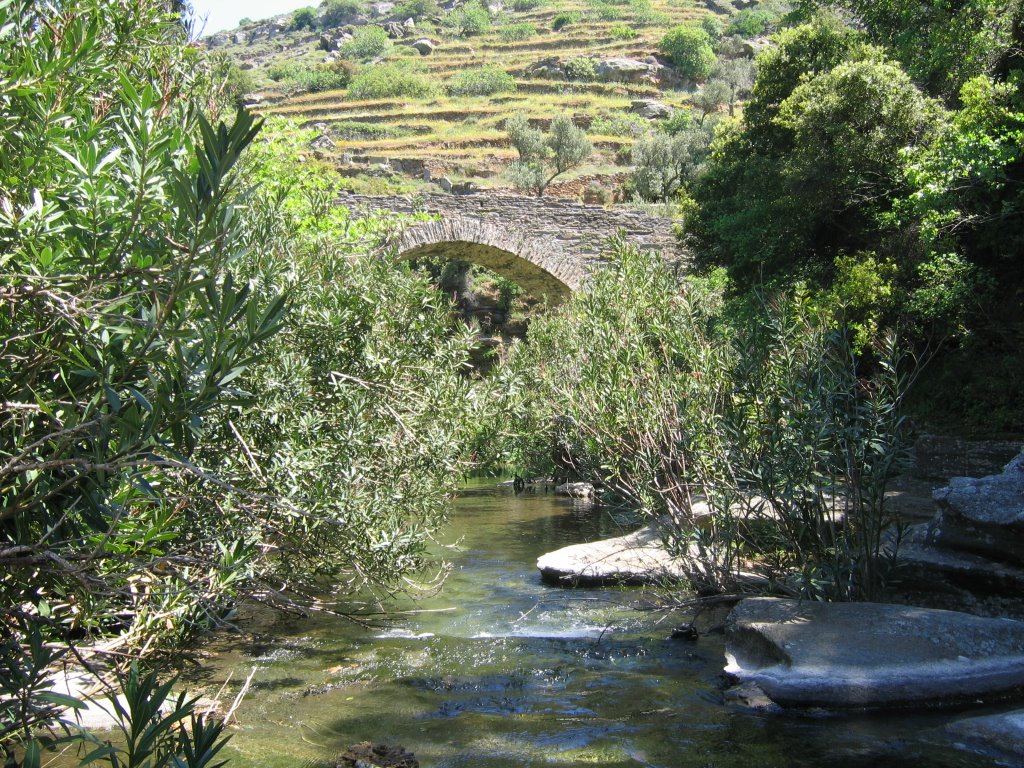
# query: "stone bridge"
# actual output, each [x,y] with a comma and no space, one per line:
[549,246]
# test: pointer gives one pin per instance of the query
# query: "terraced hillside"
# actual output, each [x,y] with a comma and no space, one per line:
[591,59]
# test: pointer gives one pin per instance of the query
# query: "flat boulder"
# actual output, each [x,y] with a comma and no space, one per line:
[625,70]
[651,109]
[636,558]
[983,515]
[424,46]
[575,490]
[870,655]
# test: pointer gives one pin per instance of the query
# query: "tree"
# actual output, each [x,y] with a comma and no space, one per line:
[304,18]
[711,97]
[690,49]
[738,75]
[542,158]
[665,163]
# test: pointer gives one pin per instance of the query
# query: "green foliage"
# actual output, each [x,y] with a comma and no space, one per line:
[737,75]
[392,80]
[606,11]
[665,163]
[304,18]
[335,13]
[302,78]
[712,96]
[689,47]
[943,45]
[620,124]
[511,33]
[712,25]
[650,389]
[622,32]
[152,727]
[750,22]
[128,320]
[418,10]
[581,69]
[485,81]
[565,19]
[369,42]
[468,19]
[521,6]
[542,158]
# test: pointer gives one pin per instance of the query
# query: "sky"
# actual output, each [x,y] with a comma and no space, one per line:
[226,13]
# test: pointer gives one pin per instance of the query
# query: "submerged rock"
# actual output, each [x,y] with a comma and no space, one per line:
[1001,735]
[804,654]
[636,558]
[576,490]
[367,755]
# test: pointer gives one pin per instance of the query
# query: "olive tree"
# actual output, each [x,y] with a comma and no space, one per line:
[664,163]
[544,157]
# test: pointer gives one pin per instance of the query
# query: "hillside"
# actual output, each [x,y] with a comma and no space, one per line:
[595,60]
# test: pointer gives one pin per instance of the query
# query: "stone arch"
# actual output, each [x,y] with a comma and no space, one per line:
[540,266]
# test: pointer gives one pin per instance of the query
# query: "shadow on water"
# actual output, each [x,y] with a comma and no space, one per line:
[506,672]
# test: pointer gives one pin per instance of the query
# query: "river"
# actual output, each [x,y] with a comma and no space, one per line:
[500,671]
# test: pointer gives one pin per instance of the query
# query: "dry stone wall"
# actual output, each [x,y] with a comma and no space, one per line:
[548,245]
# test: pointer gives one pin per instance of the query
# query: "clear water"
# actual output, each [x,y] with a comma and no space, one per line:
[504,671]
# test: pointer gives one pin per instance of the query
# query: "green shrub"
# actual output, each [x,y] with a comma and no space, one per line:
[620,124]
[678,121]
[485,81]
[527,5]
[469,19]
[564,19]
[581,69]
[713,26]
[367,43]
[391,80]
[302,78]
[690,50]
[622,32]
[651,18]
[417,9]
[513,32]
[334,13]
[304,18]
[750,22]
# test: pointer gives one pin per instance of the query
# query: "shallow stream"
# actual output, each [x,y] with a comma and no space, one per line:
[500,671]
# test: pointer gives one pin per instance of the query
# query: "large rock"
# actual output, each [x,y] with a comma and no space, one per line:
[576,490]
[396,30]
[637,558]
[983,515]
[804,654]
[651,109]
[625,70]
[424,46]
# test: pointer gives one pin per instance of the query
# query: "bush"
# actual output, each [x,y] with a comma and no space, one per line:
[652,18]
[605,10]
[564,19]
[368,43]
[622,32]
[391,80]
[304,18]
[301,78]
[620,124]
[514,32]
[334,13]
[712,25]
[582,69]
[527,5]
[750,22]
[678,121]
[469,19]
[418,10]
[690,50]
[485,81]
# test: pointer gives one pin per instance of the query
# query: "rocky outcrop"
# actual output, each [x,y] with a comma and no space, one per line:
[623,70]
[842,655]
[576,490]
[636,558]
[975,542]
[651,109]
[367,755]
[396,30]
